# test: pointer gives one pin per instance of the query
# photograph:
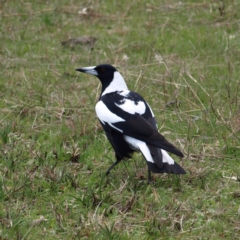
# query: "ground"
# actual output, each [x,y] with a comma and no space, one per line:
[182,56]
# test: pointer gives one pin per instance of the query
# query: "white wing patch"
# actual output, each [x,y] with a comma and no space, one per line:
[118,129]
[105,115]
[132,108]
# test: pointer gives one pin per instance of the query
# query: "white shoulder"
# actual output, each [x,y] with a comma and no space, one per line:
[105,115]
[132,107]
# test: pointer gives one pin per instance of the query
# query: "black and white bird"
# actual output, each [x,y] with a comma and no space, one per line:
[129,123]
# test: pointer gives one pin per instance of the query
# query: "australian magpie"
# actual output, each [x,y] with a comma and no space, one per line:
[129,123]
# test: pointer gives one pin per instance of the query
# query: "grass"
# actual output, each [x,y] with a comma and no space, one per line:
[183,57]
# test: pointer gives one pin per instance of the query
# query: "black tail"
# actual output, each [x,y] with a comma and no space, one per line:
[166,168]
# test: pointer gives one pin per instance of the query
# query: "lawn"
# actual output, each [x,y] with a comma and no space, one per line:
[182,56]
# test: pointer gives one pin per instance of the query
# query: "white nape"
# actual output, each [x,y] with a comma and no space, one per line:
[117,84]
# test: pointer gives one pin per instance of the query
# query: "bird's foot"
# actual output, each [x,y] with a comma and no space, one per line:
[149,177]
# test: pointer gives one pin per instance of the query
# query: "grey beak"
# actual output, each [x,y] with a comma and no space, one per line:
[89,70]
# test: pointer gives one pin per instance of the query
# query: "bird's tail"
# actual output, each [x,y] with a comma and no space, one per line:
[163,162]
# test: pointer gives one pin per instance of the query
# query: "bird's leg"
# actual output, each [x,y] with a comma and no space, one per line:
[149,176]
[111,167]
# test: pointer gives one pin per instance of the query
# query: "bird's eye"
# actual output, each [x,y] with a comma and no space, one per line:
[103,69]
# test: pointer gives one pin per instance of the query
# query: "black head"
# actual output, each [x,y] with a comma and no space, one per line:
[104,72]
[111,79]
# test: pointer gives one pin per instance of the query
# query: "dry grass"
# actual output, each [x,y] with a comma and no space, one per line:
[183,57]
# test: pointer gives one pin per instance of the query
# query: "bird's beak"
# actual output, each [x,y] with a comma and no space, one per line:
[89,70]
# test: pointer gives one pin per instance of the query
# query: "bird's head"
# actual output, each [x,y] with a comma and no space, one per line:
[109,76]
[104,72]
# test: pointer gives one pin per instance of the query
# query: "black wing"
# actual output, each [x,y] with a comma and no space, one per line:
[159,166]
[138,127]
[120,146]
[129,114]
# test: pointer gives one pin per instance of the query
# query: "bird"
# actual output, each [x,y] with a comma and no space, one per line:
[130,124]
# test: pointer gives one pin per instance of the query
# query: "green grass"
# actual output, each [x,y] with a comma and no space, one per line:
[182,56]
